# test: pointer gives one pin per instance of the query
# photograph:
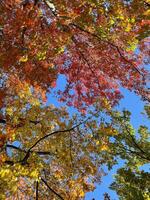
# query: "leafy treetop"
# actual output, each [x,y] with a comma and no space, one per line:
[90,42]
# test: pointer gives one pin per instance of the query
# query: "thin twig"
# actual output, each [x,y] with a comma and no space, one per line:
[133,152]
[58,195]
[70,146]
[86,61]
[135,143]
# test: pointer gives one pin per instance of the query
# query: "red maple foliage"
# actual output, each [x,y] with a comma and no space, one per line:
[39,42]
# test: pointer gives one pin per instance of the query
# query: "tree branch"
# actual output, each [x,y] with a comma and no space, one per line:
[3,121]
[70,146]
[133,152]
[96,36]
[48,135]
[113,45]
[58,195]
[135,143]
[24,161]
[147,4]
[85,61]
[22,150]
[37,185]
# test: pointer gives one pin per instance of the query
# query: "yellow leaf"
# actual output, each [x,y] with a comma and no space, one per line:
[24,58]
[104,148]
[132,20]
[147,13]
[34,174]
[60,49]
[81,193]
[9,111]
[128,28]
[111,21]
[4,172]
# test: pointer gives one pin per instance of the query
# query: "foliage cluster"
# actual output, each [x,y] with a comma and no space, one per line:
[45,151]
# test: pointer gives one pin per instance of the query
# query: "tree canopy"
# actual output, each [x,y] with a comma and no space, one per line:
[99,47]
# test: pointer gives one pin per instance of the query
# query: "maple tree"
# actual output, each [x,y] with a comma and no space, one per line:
[44,39]
[92,44]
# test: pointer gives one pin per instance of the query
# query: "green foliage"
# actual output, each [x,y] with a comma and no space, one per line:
[131,184]
[130,181]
